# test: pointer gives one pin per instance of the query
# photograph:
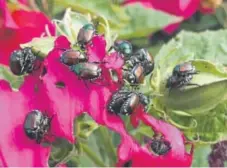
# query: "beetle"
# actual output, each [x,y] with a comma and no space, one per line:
[125,102]
[123,47]
[160,146]
[22,61]
[184,69]
[181,76]
[72,57]
[87,70]
[85,35]
[135,75]
[177,82]
[143,57]
[37,125]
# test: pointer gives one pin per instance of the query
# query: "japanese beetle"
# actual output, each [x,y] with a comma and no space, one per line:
[22,61]
[123,47]
[36,125]
[177,82]
[184,69]
[125,102]
[72,57]
[160,146]
[181,76]
[142,56]
[86,34]
[135,75]
[87,70]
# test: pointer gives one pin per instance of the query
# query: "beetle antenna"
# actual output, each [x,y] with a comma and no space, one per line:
[52,117]
[110,49]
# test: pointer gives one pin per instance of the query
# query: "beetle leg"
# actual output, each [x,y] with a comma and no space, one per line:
[52,118]
[35,67]
[86,84]
[112,47]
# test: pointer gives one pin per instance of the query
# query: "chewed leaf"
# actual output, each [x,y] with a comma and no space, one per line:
[144,21]
[41,45]
[211,91]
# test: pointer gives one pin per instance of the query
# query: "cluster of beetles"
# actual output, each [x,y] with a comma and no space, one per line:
[137,65]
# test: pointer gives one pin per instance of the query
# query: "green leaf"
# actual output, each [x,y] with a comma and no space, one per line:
[198,110]
[200,157]
[130,21]
[211,127]
[62,151]
[208,45]
[144,21]
[114,13]
[87,127]
[196,100]
[92,155]
[72,22]
[6,74]
[205,22]
[42,46]
[104,139]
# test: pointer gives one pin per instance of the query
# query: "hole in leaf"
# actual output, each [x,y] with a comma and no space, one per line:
[60,84]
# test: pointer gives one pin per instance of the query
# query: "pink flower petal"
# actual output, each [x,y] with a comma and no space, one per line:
[142,157]
[62,43]
[113,61]
[97,50]
[66,102]
[6,19]
[182,8]
[15,146]
[30,19]
[57,102]
[19,27]
[76,96]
